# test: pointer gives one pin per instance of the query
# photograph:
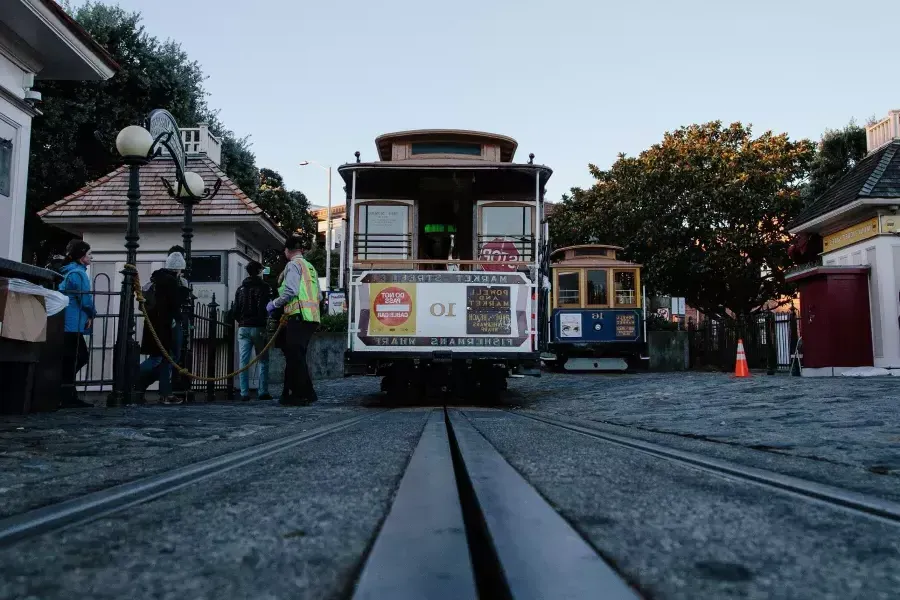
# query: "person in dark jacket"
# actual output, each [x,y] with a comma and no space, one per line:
[80,315]
[169,294]
[249,311]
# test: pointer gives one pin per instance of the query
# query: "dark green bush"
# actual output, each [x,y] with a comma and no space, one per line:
[334,323]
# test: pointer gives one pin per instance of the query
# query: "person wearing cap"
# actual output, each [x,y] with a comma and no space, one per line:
[249,311]
[79,318]
[298,298]
[169,294]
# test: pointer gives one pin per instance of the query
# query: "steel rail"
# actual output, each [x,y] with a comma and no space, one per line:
[869,506]
[91,506]
[537,554]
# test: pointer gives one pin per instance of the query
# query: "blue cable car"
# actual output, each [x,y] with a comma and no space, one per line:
[597,319]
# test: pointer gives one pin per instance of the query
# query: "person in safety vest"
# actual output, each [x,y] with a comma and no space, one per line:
[298,297]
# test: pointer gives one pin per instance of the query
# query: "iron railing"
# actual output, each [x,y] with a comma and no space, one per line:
[212,339]
[769,341]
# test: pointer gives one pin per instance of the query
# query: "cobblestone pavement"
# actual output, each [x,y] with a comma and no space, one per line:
[849,421]
[48,457]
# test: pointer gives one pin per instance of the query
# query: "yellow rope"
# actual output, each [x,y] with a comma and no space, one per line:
[139,295]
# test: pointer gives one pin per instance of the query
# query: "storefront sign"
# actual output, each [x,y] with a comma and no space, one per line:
[890,223]
[851,235]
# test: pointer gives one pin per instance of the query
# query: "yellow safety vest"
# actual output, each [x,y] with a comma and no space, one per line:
[307,298]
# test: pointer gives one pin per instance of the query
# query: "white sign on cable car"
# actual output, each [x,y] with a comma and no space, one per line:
[464,311]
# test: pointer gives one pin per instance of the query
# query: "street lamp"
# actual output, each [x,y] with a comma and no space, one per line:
[328,229]
[135,144]
[138,146]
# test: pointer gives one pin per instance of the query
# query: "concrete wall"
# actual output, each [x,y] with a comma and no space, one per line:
[669,350]
[325,357]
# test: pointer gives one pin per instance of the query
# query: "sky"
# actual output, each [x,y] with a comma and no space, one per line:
[573,81]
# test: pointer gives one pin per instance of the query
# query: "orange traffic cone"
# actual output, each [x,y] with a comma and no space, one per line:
[740,366]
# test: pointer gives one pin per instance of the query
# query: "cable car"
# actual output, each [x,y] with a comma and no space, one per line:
[443,259]
[597,318]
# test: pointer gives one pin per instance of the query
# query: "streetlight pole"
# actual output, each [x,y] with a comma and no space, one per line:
[328,230]
[138,146]
[135,153]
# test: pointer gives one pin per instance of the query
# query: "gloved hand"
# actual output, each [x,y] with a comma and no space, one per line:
[270,307]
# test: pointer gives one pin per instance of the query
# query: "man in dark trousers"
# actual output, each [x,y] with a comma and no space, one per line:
[298,298]
[249,310]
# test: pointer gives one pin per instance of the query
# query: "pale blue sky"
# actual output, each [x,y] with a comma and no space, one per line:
[574,81]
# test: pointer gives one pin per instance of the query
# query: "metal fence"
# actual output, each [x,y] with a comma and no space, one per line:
[769,340]
[212,343]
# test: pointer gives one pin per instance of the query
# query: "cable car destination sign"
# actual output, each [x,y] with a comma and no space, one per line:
[465,311]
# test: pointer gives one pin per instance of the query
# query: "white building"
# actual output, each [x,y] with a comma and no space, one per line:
[38,40]
[229,229]
[858,219]
[338,223]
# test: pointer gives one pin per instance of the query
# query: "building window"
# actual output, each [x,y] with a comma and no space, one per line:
[568,289]
[626,289]
[383,232]
[206,269]
[419,148]
[597,294]
[6,167]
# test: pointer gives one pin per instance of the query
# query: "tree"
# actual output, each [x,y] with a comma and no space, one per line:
[73,142]
[838,152]
[289,209]
[705,211]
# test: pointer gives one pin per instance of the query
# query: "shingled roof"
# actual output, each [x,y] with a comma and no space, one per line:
[875,176]
[106,197]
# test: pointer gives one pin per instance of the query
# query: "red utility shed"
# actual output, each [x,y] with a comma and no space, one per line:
[834,316]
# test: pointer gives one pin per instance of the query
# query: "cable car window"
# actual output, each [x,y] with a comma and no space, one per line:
[568,291]
[511,226]
[597,288]
[592,252]
[383,232]
[419,148]
[626,288]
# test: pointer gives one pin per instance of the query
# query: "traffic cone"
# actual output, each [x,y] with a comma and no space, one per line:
[740,366]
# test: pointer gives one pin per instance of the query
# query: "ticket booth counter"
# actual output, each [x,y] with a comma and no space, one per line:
[835,322]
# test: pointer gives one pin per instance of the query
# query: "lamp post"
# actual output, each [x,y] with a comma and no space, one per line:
[135,144]
[328,228]
[138,146]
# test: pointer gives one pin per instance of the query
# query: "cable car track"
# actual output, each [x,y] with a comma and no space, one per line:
[861,504]
[463,522]
[91,506]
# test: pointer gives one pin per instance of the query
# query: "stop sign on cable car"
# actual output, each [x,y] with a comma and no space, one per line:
[499,250]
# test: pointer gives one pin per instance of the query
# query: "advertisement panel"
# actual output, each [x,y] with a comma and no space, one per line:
[465,311]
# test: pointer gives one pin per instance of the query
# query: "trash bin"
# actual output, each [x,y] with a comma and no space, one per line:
[47,372]
[25,331]
[17,367]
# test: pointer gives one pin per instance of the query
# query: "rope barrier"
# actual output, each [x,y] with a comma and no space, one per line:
[184,372]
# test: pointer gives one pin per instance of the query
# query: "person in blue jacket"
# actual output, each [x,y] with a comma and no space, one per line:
[80,315]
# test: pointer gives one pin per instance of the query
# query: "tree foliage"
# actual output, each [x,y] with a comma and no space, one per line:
[288,208]
[838,152]
[73,142]
[705,211]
